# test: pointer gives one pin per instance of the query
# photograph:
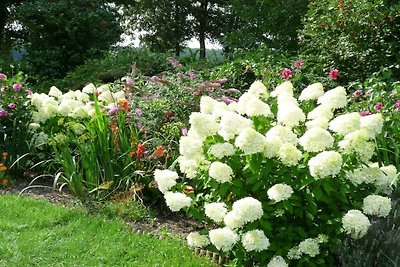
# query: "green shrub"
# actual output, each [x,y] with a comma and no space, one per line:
[356,37]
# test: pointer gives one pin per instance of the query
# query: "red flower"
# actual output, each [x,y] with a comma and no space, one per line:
[334,74]
[286,73]
[378,106]
[139,151]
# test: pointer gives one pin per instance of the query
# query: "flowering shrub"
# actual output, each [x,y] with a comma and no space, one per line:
[279,179]
[14,118]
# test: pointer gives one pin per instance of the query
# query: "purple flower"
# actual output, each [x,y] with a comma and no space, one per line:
[184,131]
[365,113]
[215,85]
[378,106]
[28,92]
[286,73]
[129,82]
[223,80]
[228,100]
[358,93]
[139,125]
[139,112]
[3,113]
[191,74]
[112,111]
[155,79]
[11,105]
[3,76]
[398,104]
[334,74]
[232,90]
[17,87]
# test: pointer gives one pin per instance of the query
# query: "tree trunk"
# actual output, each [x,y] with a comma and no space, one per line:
[202,28]
[177,49]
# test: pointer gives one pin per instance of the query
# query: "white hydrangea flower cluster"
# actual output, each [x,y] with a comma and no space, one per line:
[250,141]
[280,192]
[196,240]
[177,201]
[327,163]
[312,92]
[346,123]
[221,150]
[377,205]
[334,99]
[216,211]
[259,90]
[255,240]
[221,172]
[316,139]
[165,179]
[245,210]
[355,223]
[309,246]
[251,105]
[277,261]
[223,238]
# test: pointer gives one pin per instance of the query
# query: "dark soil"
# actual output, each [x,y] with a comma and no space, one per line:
[171,225]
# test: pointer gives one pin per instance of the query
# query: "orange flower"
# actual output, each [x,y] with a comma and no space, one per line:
[158,153]
[124,104]
[5,154]
[139,151]
[2,167]
[4,182]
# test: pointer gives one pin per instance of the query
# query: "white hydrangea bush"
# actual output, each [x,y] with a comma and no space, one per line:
[280,179]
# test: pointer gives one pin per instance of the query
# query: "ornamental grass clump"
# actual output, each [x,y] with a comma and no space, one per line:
[282,185]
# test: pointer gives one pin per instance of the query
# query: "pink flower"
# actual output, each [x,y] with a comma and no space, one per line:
[334,74]
[174,62]
[3,89]
[365,113]
[3,76]
[223,80]
[184,131]
[286,73]
[129,82]
[11,105]
[358,93]
[378,106]
[215,85]
[28,92]
[398,104]
[3,113]
[298,64]
[139,112]
[228,100]
[191,74]
[112,111]
[17,87]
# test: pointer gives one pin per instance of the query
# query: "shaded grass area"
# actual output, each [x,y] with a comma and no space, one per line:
[37,233]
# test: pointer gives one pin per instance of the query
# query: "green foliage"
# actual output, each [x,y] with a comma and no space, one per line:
[60,35]
[37,233]
[356,37]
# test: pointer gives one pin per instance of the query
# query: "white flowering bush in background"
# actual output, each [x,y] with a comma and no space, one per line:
[281,180]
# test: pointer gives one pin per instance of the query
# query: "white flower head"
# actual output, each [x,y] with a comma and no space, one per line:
[216,211]
[312,92]
[221,150]
[197,240]
[250,209]
[284,88]
[250,141]
[355,223]
[203,125]
[233,220]
[277,261]
[255,240]
[252,106]
[320,122]
[258,89]
[177,201]
[373,123]
[290,115]
[289,154]
[165,179]
[346,123]
[327,163]
[221,172]
[316,140]
[310,247]
[321,111]
[223,238]
[232,124]
[280,192]
[335,98]
[284,133]
[54,91]
[377,205]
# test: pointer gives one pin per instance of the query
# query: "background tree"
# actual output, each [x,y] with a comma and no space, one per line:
[60,35]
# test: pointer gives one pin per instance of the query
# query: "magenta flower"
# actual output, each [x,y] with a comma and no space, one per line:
[223,80]
[334,74]
[112,111]
[139,112]
[215,85]
[28,92]
[297,64]
[365,113]
[3,76]
[398,104]
[358,93]
[378,106]
[286,73]
[17,87]
[11,105]
[3,113]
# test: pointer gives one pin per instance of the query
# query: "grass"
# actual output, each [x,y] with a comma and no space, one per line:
[37,233]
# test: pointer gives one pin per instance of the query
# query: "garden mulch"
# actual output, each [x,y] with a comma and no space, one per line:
[160,225]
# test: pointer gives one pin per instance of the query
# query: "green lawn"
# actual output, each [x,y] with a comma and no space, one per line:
[37,233]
